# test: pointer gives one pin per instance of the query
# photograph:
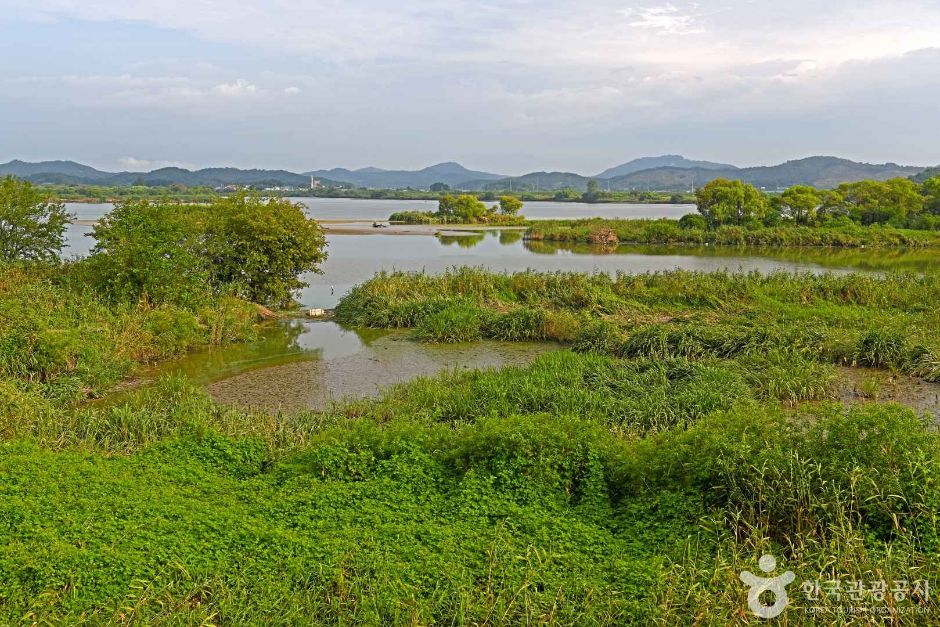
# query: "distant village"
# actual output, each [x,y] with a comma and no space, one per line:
[315,183]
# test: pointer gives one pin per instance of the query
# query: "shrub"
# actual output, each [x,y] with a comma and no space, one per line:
[32,227]
[414,217]
[168,253]
[693,221]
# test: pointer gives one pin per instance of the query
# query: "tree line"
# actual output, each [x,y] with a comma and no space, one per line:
[900,203]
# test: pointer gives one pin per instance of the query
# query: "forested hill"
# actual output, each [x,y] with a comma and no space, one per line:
[69,172]
[664,161]
[668,173]
[821,172]
[449,173]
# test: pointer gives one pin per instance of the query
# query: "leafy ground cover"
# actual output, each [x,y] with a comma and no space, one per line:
[688,430]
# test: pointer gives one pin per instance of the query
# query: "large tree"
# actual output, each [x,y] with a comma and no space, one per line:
[150,251]
[509,205]
[801,203]
[31,227]
[731,202]
[242,245]
[877,202]
[260,248]
[464,208]
[932,193]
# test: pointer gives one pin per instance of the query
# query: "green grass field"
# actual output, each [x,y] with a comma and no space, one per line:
[687,426]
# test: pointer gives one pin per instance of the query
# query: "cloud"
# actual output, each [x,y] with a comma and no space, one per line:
[379,76]
[193,95]
[665,19]
[237,89]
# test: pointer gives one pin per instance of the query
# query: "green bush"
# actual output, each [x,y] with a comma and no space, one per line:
[693,221]
[414,217]
[170,253]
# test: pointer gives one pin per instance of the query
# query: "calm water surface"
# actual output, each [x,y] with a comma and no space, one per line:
[362,209]
[308,364]
[359,209]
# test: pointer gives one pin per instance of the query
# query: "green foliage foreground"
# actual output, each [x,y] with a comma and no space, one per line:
[629,481]
[524,512]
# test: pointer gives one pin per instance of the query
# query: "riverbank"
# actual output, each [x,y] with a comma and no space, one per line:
[365,227]
[611,233]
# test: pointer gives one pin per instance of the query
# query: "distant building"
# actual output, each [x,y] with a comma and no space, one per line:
[315,183]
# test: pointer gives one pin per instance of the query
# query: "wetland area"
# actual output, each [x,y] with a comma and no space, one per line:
[306,364]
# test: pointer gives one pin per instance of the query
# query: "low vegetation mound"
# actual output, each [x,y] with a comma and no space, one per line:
[466,209]
[855,319]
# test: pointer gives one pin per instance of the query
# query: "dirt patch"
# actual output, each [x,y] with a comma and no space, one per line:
[866,385]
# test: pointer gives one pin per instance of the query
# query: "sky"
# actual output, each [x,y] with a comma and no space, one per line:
[507,86]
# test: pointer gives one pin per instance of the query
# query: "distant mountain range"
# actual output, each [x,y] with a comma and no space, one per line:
[664,173]
[665,161]
[821,172]
[449,173]
[69,172]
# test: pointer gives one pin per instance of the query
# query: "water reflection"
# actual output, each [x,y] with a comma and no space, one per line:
[278,343]
[463,240]
[875,260]
[507,238]
[301,364]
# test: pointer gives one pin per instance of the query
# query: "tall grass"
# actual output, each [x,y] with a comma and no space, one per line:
[667,231]
[56,334]
[886,321]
